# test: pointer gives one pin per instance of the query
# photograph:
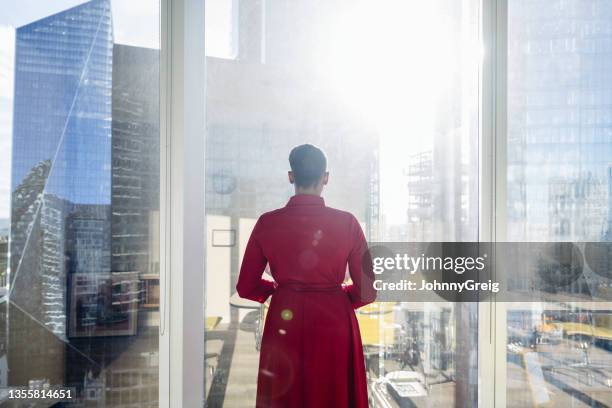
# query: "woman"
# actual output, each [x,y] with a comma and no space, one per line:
[311,351]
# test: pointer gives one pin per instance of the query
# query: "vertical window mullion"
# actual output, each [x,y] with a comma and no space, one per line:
[182,235]
[492,223]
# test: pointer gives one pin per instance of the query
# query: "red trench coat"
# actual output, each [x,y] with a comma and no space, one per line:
[311,351]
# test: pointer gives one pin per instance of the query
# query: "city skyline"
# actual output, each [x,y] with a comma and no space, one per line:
[86,242]
[66,134]
[85,196]
[559,123]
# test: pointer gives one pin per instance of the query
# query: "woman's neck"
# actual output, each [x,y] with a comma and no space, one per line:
[307,191]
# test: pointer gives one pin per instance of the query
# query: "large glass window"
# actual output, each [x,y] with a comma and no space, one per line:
[559,153]
[389,89]
[79,199]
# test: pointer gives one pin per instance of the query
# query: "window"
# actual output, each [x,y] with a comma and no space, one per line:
[558,189]
[79,198]
[431,113]
[390,91]
[222,28]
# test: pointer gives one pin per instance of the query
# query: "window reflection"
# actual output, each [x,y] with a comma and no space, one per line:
[559,189]
[80,245]
[398,118]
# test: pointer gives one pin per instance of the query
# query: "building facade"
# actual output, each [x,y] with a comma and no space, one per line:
[135,159]
[559,117]
[61,160]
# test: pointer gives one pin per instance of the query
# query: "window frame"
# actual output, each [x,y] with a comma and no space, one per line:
[182,222]
[182,110]
[492,197]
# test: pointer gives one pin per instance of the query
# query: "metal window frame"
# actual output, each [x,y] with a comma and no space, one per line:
[182,215]
[492,195]
[182,221]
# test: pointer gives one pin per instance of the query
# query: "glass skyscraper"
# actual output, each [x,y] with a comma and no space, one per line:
[62,110]
[135,158]
[559,119]
[559,151]
[61,176]
[62,105]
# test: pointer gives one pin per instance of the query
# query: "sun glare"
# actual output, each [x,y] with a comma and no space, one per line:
[389,61]
[391,58]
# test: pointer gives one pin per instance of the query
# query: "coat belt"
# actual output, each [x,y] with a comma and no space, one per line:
[307,287]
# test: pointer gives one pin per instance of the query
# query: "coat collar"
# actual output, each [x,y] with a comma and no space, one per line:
[306,199]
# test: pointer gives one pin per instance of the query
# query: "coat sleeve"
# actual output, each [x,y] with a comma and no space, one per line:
[250,284]
[361,291]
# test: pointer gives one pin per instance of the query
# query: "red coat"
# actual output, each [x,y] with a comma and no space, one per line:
[311,351]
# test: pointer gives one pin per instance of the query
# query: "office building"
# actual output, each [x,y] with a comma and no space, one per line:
[61,159]
[608,236]
[577,208]
[420,183]
[560,125]
[135,159]
[3,257]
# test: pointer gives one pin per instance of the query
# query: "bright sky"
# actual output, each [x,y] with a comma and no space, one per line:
[134,23]
[378,61]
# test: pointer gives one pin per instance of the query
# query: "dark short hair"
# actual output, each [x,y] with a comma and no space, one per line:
[308,164]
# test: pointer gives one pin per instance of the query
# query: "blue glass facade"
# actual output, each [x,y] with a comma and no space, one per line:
[84,210]
[62,104]
[61,178]
[559,118]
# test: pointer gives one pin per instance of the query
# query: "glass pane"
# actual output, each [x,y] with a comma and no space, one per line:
[559,189]
[389,90]
[79,199]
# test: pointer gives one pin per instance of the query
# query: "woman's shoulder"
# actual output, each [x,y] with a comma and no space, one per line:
[334,214]
[341,214]
[268,216]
